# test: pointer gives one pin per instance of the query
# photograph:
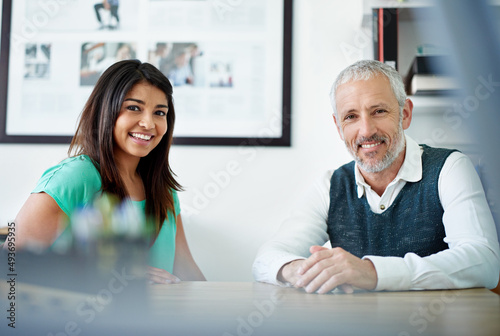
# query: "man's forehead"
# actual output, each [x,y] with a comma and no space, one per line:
[373,91]
[380,78]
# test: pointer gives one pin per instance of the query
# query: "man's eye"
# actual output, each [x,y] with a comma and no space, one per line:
[380,111]
[349,117]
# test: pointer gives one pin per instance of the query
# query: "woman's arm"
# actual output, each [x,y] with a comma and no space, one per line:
[184,265]
[38,221]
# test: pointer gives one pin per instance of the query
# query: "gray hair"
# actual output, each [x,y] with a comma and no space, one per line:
[367,69]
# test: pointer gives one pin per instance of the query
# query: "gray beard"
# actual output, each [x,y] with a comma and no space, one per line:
[388,158]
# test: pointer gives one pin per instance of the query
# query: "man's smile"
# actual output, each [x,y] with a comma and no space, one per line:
[370,145]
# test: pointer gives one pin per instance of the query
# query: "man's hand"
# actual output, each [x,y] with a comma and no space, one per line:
[327,269]
[290,272]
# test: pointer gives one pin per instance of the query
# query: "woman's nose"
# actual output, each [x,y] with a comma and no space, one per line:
[146,121]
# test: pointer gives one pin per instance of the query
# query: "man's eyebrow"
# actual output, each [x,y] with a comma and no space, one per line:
[380,105]
[349,110]
[377,105]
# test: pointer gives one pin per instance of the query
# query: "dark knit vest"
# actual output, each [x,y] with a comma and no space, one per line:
[413,222]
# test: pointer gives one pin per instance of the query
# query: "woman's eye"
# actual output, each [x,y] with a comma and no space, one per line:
[349,117]
[133,108]
[161,113]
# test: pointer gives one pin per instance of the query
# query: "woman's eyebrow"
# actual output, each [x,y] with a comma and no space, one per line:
[143,103]
[136,100]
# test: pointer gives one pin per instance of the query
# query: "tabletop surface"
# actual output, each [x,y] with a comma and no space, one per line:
[246,308]
[123,307]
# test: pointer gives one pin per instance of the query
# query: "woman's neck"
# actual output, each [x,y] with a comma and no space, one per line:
[127,168]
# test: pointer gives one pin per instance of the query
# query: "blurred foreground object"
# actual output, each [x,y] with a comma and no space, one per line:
[93,275]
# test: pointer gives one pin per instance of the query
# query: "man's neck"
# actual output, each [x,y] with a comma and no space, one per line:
[379,181]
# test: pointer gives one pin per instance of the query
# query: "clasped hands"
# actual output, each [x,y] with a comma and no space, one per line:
[327,269]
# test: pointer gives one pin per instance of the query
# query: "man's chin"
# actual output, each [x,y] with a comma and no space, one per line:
[371,159]
[370,166]
[368,162]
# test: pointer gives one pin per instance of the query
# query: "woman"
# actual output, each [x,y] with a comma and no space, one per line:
[121,147]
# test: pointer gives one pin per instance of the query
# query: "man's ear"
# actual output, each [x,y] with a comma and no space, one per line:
[337,125]
[407,113]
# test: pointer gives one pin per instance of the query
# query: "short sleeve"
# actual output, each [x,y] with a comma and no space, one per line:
[177,205]
[73,182]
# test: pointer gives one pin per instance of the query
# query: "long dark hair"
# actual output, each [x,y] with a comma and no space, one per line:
[94,136]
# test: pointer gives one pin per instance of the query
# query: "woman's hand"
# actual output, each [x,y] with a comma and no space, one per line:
[160,276]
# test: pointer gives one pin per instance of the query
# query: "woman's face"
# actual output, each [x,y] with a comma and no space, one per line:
[142,122]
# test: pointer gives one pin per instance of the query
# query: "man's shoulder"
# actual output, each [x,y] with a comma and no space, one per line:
[437,150]
[343,173]
[347,168]
[438,155]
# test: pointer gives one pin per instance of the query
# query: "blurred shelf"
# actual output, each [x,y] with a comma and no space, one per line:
[432,104]
[368,5]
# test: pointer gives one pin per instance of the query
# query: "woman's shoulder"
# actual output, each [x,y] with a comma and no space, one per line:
[74,180]
[76,169]
[177,205]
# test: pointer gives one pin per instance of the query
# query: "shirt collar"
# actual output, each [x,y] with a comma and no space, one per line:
[410,171]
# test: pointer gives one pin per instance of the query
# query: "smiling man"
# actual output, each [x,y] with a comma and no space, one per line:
[400,216]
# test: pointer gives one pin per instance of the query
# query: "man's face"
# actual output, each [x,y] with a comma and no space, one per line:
[369,122]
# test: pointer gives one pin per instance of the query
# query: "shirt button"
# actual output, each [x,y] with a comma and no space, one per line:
[382,207]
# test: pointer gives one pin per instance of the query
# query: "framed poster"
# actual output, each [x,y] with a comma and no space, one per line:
[228,60]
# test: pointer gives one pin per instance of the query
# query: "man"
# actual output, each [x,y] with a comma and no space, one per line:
[400,216]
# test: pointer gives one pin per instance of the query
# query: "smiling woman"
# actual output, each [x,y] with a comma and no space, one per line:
[139,128]
[121,147]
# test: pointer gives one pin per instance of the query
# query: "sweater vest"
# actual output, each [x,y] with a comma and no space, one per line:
[413,222]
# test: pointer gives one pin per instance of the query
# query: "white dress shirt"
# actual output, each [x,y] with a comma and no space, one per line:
[473,257]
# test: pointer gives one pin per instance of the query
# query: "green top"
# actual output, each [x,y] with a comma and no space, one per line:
[75,182]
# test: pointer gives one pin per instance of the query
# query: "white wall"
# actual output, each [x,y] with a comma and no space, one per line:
[230,226]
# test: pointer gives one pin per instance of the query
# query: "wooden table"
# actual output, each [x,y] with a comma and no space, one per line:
[241,308]
[121,307]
